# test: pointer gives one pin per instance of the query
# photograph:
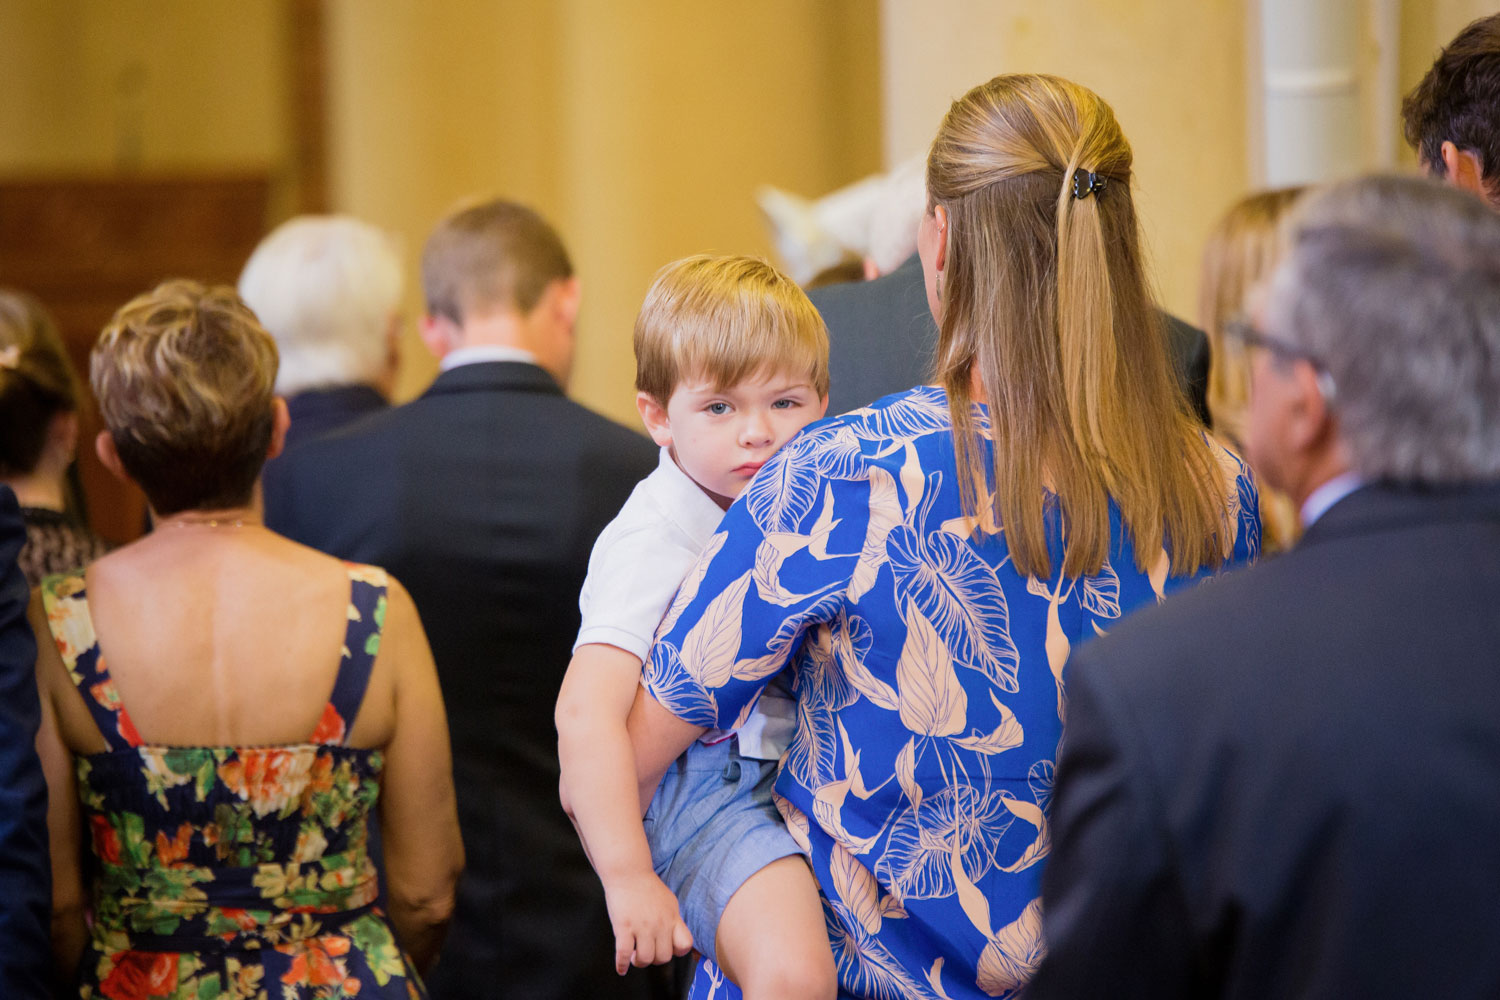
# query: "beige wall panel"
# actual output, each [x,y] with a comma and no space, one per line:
[141,84]
[640,130]
[1173,71]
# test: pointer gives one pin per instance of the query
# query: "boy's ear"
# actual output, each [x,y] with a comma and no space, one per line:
[822,407]
[654,416]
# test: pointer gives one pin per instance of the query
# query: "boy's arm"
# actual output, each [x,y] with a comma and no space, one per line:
[599,792]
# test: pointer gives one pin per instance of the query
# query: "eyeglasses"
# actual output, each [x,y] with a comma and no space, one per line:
[1241,330]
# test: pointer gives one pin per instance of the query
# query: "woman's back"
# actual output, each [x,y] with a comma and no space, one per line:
[227,810]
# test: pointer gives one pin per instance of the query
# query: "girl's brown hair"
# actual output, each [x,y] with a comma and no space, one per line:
[1044,298]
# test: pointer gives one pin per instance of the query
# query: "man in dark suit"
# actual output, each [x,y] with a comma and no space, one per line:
[882,339]
[1287,784]
[25,886]
[484,497]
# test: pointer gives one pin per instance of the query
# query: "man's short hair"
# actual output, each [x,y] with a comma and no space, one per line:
[1392,284]
[183,375]
[726,319]
[1458,101]
[496,255]
[326,287]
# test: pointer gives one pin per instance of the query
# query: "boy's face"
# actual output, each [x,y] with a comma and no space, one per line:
[721,437]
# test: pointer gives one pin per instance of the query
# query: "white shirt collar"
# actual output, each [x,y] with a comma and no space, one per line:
[684,500]
[1330,493]
[484,352]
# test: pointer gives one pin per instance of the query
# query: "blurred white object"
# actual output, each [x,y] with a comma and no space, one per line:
[875,218]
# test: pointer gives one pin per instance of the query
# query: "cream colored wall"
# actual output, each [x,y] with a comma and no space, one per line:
[141,84]
[1174,73]
[639,130]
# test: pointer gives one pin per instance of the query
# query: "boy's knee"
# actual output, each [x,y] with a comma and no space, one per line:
[794,976]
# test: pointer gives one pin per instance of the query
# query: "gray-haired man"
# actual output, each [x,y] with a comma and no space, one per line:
[1288,783]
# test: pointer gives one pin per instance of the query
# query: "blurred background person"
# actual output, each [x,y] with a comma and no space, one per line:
[1452,117]
[1242,251]
[39,403]
[222,789]
[328,288]
[24,881]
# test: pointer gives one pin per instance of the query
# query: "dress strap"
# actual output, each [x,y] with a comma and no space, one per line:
[367,602]
[72,629]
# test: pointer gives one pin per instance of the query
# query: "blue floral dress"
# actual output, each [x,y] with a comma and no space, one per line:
[232,872]
[929,683]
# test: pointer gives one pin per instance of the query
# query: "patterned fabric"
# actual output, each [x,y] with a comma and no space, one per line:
[233,872]
[55,543]
[929,677]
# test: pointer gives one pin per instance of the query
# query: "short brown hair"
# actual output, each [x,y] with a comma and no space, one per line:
[1458,101]
[496,254]
[184,376]
[725,319]
[36,381]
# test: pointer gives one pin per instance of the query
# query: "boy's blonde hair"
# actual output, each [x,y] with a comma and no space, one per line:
[725,318]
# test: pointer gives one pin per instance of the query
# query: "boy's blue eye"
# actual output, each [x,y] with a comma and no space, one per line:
[784,404]
[717,409]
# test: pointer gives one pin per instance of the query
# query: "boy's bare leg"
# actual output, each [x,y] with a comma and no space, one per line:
[772,941]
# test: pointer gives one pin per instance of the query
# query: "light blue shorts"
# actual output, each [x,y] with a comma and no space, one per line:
[711,826]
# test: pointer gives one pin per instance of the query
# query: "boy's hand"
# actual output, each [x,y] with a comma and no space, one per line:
[648,927]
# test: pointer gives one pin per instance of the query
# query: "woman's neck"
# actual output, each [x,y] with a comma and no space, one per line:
[44,492]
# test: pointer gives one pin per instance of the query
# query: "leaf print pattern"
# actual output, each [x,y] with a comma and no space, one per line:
[962,598]
[182,838]
[930,684]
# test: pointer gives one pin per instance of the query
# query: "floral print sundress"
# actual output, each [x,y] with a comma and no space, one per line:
[233,872]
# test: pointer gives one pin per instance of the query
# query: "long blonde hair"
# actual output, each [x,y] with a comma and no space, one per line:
[1044,297]
[1241,251]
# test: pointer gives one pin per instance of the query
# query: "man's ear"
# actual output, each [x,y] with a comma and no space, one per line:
[1312,423]
[440,334]
[109,457]
[1463,168]
[654,416]
[567,297]
[281,419]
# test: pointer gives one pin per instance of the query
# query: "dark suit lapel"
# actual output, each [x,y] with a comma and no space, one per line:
[1381,507]
[489,376]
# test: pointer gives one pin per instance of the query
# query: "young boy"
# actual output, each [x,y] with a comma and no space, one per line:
[731,361]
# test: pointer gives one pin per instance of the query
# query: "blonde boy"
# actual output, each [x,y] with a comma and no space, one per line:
[731,361]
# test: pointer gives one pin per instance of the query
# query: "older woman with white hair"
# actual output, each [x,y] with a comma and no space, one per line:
[328,289]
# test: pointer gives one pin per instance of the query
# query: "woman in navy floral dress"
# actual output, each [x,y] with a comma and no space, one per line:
[224,709]
[925,565]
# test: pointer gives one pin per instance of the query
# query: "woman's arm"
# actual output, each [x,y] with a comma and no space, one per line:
[418,810]
[69,932]
[598,782]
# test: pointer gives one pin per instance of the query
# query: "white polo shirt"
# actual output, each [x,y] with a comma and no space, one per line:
[638,562]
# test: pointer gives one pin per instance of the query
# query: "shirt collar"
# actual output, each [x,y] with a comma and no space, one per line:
[687,504]
[1330,493]
[484,352]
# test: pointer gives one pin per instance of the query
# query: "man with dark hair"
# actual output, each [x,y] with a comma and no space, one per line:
[24,883]
[484,496]
[1288,784]
[1452,118]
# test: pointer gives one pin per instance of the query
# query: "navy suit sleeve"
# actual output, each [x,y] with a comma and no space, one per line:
[1114,913]
[25,879]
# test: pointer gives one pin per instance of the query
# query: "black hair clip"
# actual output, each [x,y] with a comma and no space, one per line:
[1086,182]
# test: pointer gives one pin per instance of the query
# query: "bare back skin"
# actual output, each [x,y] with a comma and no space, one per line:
[232,636]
